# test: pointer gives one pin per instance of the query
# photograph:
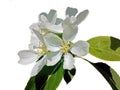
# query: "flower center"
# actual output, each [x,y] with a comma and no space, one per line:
[42,50]
[66,47]
[44,31]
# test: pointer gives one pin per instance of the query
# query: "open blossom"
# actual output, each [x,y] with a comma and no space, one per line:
[39,50]
[66,48]
[70,28]
[71,22]
[47,48]
[32,55]
[48,23]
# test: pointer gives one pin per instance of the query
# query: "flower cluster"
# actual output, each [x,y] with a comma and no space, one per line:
[51,40]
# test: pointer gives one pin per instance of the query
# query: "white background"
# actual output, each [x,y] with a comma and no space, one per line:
[17,15]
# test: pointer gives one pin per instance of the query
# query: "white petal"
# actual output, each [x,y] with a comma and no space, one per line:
[39,36]
[68,61]
[58,21]
[53,40]
[80,48]
[72,19]
[53,58]
[52,48]
[39,65]
[54,28]
[44,14]
[71,11]
[81,16]
[43,19]
[52,16]
[66,21]
[34,42]
[27,56]
[35,26]
[69,31]
[31,46]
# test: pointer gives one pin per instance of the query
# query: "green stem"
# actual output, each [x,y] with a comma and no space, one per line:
[84,59]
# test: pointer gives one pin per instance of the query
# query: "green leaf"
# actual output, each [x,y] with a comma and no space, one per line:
[54,80]
[31,84]
[39,81]
[105,47]
[43,75]
[108,73]
[69,74]
[116,78]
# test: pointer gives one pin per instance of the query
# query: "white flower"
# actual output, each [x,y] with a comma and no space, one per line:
[37,50]
[48,23]
[70,24]
[71,12]
[47,48]
[65,47]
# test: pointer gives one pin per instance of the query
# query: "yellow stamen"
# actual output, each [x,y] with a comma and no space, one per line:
[42,49]
[44,31]
[66,47]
